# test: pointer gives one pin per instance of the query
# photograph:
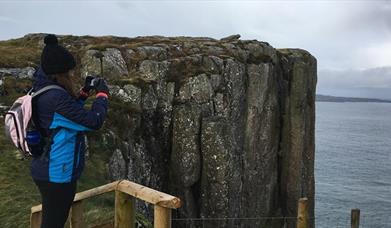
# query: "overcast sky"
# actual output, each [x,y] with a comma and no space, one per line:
[350,39]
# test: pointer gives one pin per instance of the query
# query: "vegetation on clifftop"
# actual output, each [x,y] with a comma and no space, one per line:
[19,53]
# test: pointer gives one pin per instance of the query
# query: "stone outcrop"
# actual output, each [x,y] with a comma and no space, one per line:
[227,125]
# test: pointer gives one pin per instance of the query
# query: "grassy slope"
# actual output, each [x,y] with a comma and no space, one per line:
[18,192]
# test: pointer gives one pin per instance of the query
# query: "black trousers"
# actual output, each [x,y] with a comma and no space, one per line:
[57,199]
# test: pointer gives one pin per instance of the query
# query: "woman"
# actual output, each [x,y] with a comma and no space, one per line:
[59,116]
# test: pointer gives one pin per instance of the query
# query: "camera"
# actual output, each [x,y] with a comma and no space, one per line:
[94,81]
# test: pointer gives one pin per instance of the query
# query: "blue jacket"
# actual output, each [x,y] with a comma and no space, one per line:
[62,121]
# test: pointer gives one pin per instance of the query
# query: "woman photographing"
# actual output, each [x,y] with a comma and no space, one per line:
[59,116]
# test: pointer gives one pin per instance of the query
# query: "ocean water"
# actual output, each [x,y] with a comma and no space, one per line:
[353,164]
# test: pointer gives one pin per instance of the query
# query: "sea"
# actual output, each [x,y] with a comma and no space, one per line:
[353,164]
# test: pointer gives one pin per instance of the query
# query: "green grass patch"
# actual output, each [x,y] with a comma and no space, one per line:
[17,190]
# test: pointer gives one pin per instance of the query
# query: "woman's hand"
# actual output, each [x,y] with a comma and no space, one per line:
[101,86]
[84,92]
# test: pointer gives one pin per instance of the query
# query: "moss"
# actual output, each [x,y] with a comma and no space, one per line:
[119,114]
[136,81]
[102,46]
[14,88]
[118,106]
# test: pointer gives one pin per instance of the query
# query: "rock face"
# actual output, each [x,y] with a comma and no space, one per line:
[227,125]
[298,137]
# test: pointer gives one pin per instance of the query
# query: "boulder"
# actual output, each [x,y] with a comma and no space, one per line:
[114,65]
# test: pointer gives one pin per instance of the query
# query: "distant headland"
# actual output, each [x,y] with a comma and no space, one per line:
[326,98]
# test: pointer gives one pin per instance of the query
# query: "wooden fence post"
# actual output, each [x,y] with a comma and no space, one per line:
[76,218]
[124,210]
[35,219]
[162,217]
[302,213]
[355,218]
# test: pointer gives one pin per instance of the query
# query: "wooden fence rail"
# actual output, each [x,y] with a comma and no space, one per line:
[126,192]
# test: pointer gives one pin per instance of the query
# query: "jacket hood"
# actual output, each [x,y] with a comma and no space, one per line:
[41,79]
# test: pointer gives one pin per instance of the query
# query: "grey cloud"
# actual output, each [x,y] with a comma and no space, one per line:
[369,22]
[340,34]
[378,14]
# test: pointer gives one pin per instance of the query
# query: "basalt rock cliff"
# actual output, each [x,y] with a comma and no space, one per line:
[227,125]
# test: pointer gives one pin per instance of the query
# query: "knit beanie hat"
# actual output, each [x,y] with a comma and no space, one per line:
[55,59]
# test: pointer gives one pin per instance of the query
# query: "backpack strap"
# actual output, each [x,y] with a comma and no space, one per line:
[44,89]
[36,94]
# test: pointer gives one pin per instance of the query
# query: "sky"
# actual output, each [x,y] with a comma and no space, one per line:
[350,39]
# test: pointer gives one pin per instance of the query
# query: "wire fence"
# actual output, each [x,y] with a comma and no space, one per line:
[234,222]
[341,221]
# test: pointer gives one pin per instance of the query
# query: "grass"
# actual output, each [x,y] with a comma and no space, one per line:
[18,193]
[19,53]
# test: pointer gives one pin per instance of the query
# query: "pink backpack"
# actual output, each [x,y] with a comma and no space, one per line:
[18,119]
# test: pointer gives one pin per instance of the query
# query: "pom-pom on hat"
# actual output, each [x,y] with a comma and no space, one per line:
[55,59]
